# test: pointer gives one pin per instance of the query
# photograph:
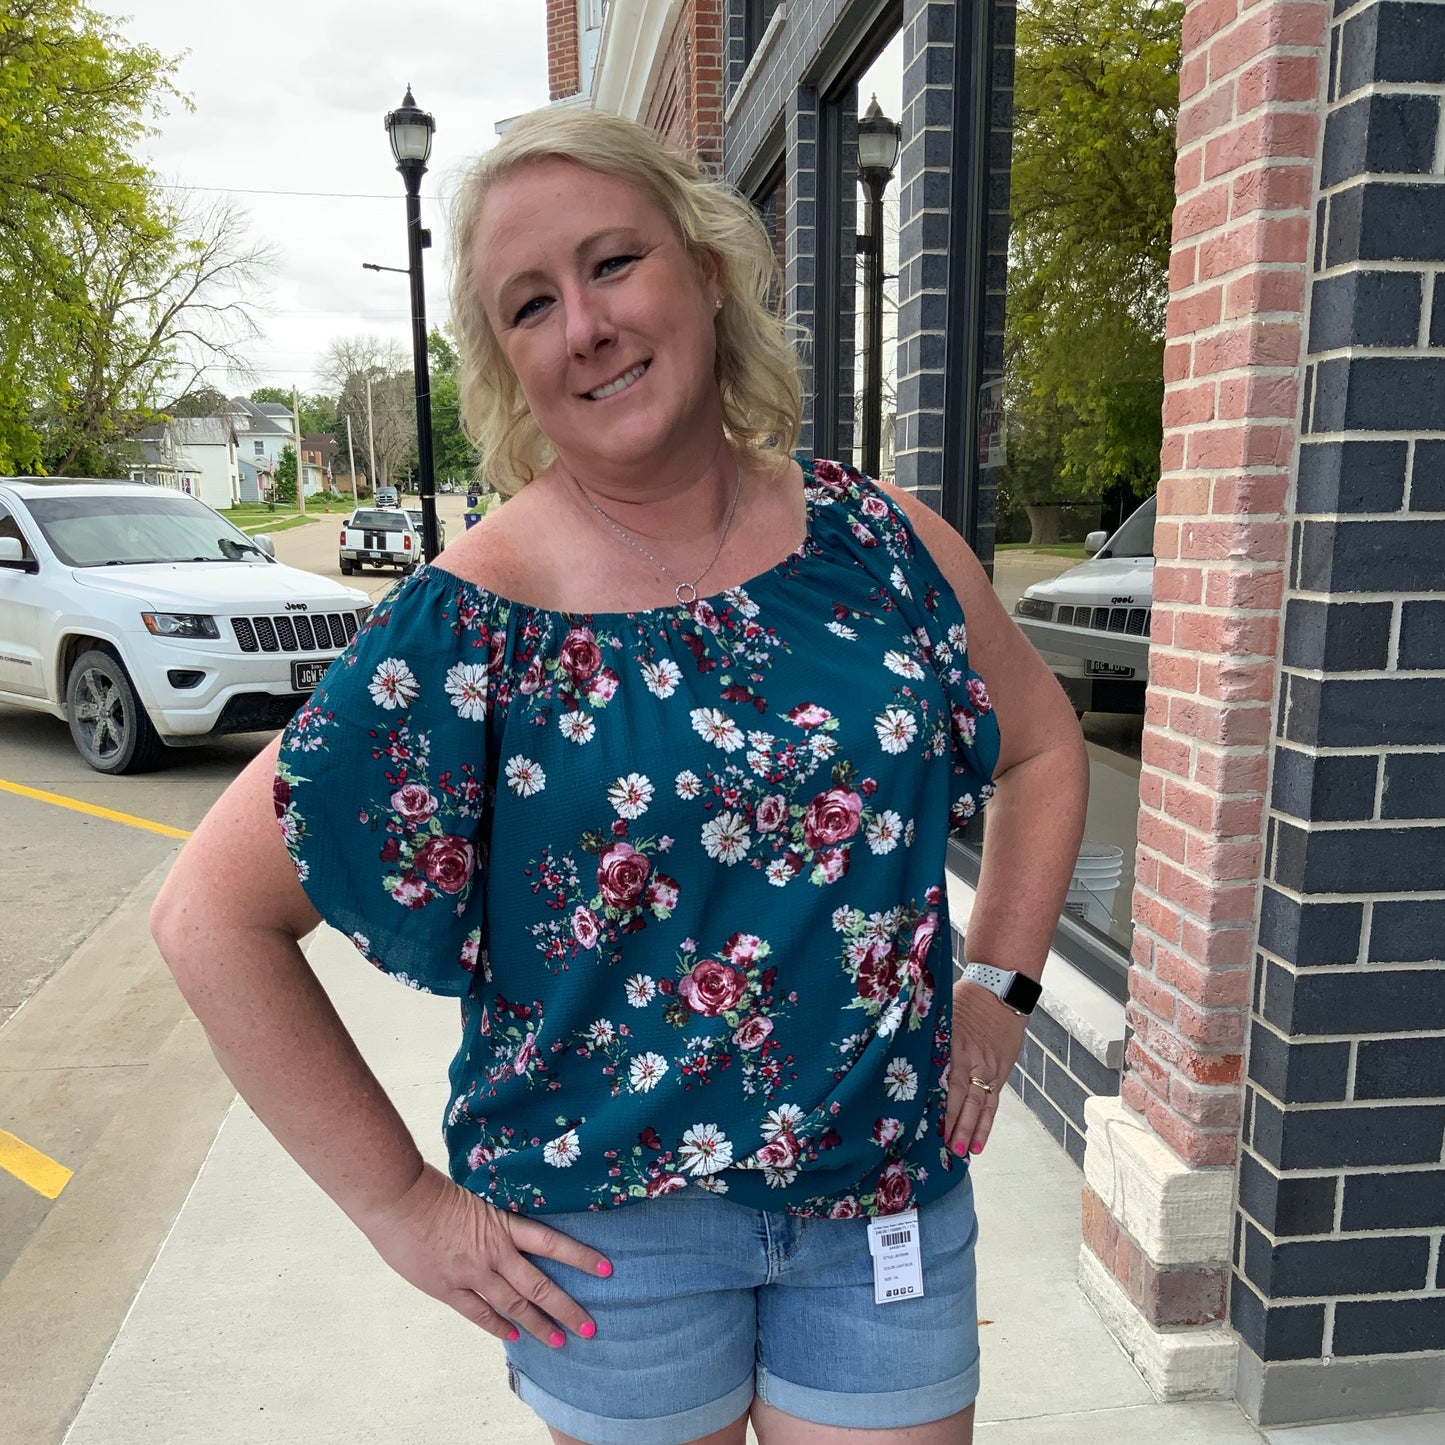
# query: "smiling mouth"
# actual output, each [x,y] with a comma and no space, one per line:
[621,384]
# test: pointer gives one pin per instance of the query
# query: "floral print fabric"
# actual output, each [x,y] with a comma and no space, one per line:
[683,867]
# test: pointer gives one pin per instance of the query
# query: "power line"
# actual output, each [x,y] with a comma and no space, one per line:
[325,195]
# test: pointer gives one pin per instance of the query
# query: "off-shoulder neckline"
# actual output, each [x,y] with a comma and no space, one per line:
[443,577]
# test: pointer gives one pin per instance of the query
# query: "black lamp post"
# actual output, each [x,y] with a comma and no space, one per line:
[879,140]
[410,129]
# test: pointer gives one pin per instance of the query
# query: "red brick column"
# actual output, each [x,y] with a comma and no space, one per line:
[1251,107]
[563,61]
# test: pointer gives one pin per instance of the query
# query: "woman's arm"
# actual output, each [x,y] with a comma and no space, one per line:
[227,922]
[1035,824]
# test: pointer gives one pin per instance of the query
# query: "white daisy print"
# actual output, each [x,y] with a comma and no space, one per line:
[738,599]
[782,1120]
[630,795]
[524,777]
[779,872]
[689,785]
[901,663]
[896,728]
[900,1079]
[393,685]
[822,746]
[577,727]
[467,688]
[842,917]
[726,837]
[717,727]
[705,1150]
[839,629]
[644,1072]
[958,636]
[899,584]
[713,1185]
[889,1020]
[662,677]
[908,831]
[563,1151]
[600,1034]
[884,832]
[639,989]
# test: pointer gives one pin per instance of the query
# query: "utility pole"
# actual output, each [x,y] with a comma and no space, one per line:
[351,458]
[300,470]
[370,437]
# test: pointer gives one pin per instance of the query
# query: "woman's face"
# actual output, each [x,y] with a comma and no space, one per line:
[603,316]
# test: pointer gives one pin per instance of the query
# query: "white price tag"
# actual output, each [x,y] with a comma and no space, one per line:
[897,1259]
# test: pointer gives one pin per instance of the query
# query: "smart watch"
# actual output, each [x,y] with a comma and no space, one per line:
[1015,990]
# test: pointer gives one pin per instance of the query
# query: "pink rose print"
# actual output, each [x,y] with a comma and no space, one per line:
[414,802]
[845,1209]
[874,507]
[468,956]
[665,1184]
[525,1054]
[447,862]
[894,1189]
[390,851]
[662,894]
[923,936]
[584,927]
[622,874]
[885,1131]
[280,795]
[923,996]
[704,615]
[752,1033]
[781,1152]
[531,680]
[581,656]
[830,866]
[410,891]
[809,715]
[742,949]
[712,988]
[771,813]
[602,687]
[830,474]
[978,695]
[878,974]
[831,817]
[965,724]
[864,535]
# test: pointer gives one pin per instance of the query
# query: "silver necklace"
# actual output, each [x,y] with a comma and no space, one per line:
[686,592]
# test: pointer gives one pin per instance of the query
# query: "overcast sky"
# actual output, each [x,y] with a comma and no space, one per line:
[290,97]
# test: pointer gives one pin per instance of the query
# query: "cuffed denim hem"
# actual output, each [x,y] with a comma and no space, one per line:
[891,1411]
[676,1429]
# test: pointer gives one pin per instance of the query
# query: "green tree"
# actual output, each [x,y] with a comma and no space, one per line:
[1096,95]
[286,475]
[453,456]
[318,412]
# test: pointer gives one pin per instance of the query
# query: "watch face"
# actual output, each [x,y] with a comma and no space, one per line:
[1023,993]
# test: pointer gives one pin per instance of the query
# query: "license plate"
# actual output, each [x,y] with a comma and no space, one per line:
[305,675]
[1106,669]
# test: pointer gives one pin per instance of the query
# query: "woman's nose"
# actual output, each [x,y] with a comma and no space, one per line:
[588,325]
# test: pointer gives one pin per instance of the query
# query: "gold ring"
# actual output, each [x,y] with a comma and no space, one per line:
[982,1084]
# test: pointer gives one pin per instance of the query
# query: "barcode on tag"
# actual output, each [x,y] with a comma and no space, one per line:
[900,1236]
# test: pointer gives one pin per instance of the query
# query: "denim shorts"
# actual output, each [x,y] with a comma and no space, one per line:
[712,1303]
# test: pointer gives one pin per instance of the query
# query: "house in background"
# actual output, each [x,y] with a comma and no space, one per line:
[258,480]
[317,449]
[196,455]
[158,464]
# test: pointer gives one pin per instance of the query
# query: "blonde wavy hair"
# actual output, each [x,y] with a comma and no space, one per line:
[757,368]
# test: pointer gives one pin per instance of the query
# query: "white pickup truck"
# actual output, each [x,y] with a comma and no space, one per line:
[382,536]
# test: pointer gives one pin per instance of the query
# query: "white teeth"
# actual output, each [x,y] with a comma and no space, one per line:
[621,384]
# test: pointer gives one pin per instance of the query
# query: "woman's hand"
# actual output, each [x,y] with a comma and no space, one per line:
[987,1036]
[468,1254]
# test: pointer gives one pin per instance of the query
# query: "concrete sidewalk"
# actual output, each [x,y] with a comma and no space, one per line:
[266,1319]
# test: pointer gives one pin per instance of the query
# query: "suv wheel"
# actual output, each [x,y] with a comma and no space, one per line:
[107,722]
[347,568]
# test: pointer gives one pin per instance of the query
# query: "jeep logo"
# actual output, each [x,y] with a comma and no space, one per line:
[1120,601]
[296,607]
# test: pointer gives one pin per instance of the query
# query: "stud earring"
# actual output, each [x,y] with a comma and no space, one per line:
[717,305]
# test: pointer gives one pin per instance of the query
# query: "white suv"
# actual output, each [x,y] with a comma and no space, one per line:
[1112,593]
[147,621]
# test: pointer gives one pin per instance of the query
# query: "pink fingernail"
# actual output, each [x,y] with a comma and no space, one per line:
[604,1268]
[960,1148]
[977,1146]
[513,1335]
[587,1330]
[557,1339]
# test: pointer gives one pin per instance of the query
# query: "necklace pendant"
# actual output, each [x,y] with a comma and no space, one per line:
[690,592]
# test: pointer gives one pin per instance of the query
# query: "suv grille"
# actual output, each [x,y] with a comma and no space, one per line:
[1132,621]
[295,632]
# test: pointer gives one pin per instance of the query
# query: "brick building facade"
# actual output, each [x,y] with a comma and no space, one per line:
[1257,1102]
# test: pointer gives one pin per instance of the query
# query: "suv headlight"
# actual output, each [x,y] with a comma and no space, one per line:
[1034,607]
[179,624]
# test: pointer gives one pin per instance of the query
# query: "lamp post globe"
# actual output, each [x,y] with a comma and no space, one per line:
[410,129]
[879,142]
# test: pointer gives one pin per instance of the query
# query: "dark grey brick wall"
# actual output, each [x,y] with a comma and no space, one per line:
[1341,1190]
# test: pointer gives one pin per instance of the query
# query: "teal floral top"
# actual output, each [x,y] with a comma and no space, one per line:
[683,867]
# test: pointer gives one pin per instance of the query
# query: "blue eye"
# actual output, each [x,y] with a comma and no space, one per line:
[527,310]
[614,261]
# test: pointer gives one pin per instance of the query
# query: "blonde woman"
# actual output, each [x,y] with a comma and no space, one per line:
[654,771]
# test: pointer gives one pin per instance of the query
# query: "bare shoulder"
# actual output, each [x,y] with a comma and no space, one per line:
[501,553]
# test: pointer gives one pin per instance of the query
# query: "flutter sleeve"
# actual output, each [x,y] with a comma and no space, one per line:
[382,786]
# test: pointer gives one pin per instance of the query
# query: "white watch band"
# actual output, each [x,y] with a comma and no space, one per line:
[995,980]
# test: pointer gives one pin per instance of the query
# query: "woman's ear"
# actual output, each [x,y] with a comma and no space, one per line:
[710,269]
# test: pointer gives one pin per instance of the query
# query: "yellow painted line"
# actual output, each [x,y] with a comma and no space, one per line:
[129,819]
[32,1167]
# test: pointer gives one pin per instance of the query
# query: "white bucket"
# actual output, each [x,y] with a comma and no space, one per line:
[1094,884]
